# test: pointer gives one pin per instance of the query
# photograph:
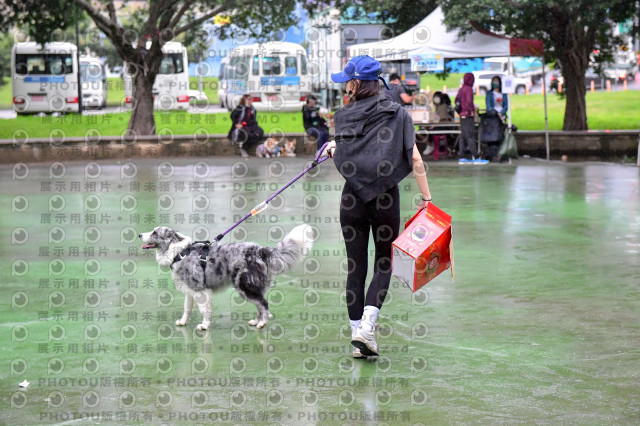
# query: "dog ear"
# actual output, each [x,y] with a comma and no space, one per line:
[180,236]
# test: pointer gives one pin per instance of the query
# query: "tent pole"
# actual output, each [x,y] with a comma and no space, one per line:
[546,117]
[509,72]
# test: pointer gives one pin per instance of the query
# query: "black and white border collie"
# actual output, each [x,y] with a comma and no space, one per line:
[198,269]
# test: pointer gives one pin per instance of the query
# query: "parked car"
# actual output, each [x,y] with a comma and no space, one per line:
[590,75]
[599,81]
[483,82]
[620,72]
[197,96]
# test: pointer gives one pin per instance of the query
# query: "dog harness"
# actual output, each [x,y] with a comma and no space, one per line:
[201,247]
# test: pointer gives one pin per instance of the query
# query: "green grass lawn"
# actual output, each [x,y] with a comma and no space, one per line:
[179,123]
[430,79]
[116,91]
[6,97]
[614,110]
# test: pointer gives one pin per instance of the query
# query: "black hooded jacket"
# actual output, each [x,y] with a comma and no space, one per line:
[374,145]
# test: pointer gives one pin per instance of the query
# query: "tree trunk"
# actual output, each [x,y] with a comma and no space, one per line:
[575,113]
[145,69]
[142,121]
[574,57]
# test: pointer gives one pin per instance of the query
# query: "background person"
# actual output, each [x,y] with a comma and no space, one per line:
[314,124]
[497,106]
[467,112]
[398,92]
[245,131]
[496,100]
[370,201]
[444,114]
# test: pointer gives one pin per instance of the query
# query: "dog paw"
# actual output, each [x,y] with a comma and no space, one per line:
[202,327]
[181,322]
[253,322]
[261,324]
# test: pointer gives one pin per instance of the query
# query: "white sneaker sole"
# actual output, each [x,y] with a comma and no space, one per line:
[364,346]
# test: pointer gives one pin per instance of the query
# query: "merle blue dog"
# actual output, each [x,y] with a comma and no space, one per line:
[198,269]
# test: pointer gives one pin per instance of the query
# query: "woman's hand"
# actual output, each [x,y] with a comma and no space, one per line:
[423,204]
[329,149]
[238,126]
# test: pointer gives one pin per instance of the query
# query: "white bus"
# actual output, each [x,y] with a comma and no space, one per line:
[44,78]
[275,74]
[171,88]
[93,76]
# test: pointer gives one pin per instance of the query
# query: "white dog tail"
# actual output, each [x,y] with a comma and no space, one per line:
[293,247]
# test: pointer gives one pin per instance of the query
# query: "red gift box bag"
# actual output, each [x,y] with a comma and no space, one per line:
[424,249]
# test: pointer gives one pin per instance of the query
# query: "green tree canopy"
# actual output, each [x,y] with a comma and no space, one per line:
[570,29]
[159,22]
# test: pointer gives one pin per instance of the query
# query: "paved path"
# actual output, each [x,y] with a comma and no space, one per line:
[540,326]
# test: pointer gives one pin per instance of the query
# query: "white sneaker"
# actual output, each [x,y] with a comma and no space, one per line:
[357,353]
[365,341]
[428,150]
[243,153]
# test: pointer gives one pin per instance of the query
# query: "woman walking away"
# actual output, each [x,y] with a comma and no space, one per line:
[245,131]
[374,149]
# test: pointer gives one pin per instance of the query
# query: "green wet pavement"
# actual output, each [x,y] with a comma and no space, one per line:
[541,325]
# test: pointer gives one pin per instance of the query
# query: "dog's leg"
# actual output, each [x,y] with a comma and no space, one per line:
[188,306]
[203,299]
[257,319]
[263,311]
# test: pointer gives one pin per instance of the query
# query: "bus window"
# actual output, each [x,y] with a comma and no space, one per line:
[239,68]
[91,72]
[271,65]
[172,64]
[256,65]
[303,64]
[44,64]
[222,75]
[291,65]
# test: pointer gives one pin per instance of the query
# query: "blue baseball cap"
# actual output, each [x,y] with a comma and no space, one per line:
[361,67]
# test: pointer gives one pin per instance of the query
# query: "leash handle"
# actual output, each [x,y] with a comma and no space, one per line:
[257,209]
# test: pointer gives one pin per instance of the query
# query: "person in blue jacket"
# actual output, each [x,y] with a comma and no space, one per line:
[496,100]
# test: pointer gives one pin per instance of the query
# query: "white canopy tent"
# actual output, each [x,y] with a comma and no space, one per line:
[431,37]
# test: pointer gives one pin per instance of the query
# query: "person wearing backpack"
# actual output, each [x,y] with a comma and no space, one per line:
[397,91]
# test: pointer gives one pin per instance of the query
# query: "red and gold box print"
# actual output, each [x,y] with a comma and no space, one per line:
[424,249]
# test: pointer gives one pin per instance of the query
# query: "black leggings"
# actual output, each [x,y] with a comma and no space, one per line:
[381,216]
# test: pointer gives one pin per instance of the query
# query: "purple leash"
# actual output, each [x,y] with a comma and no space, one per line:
[263,205]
